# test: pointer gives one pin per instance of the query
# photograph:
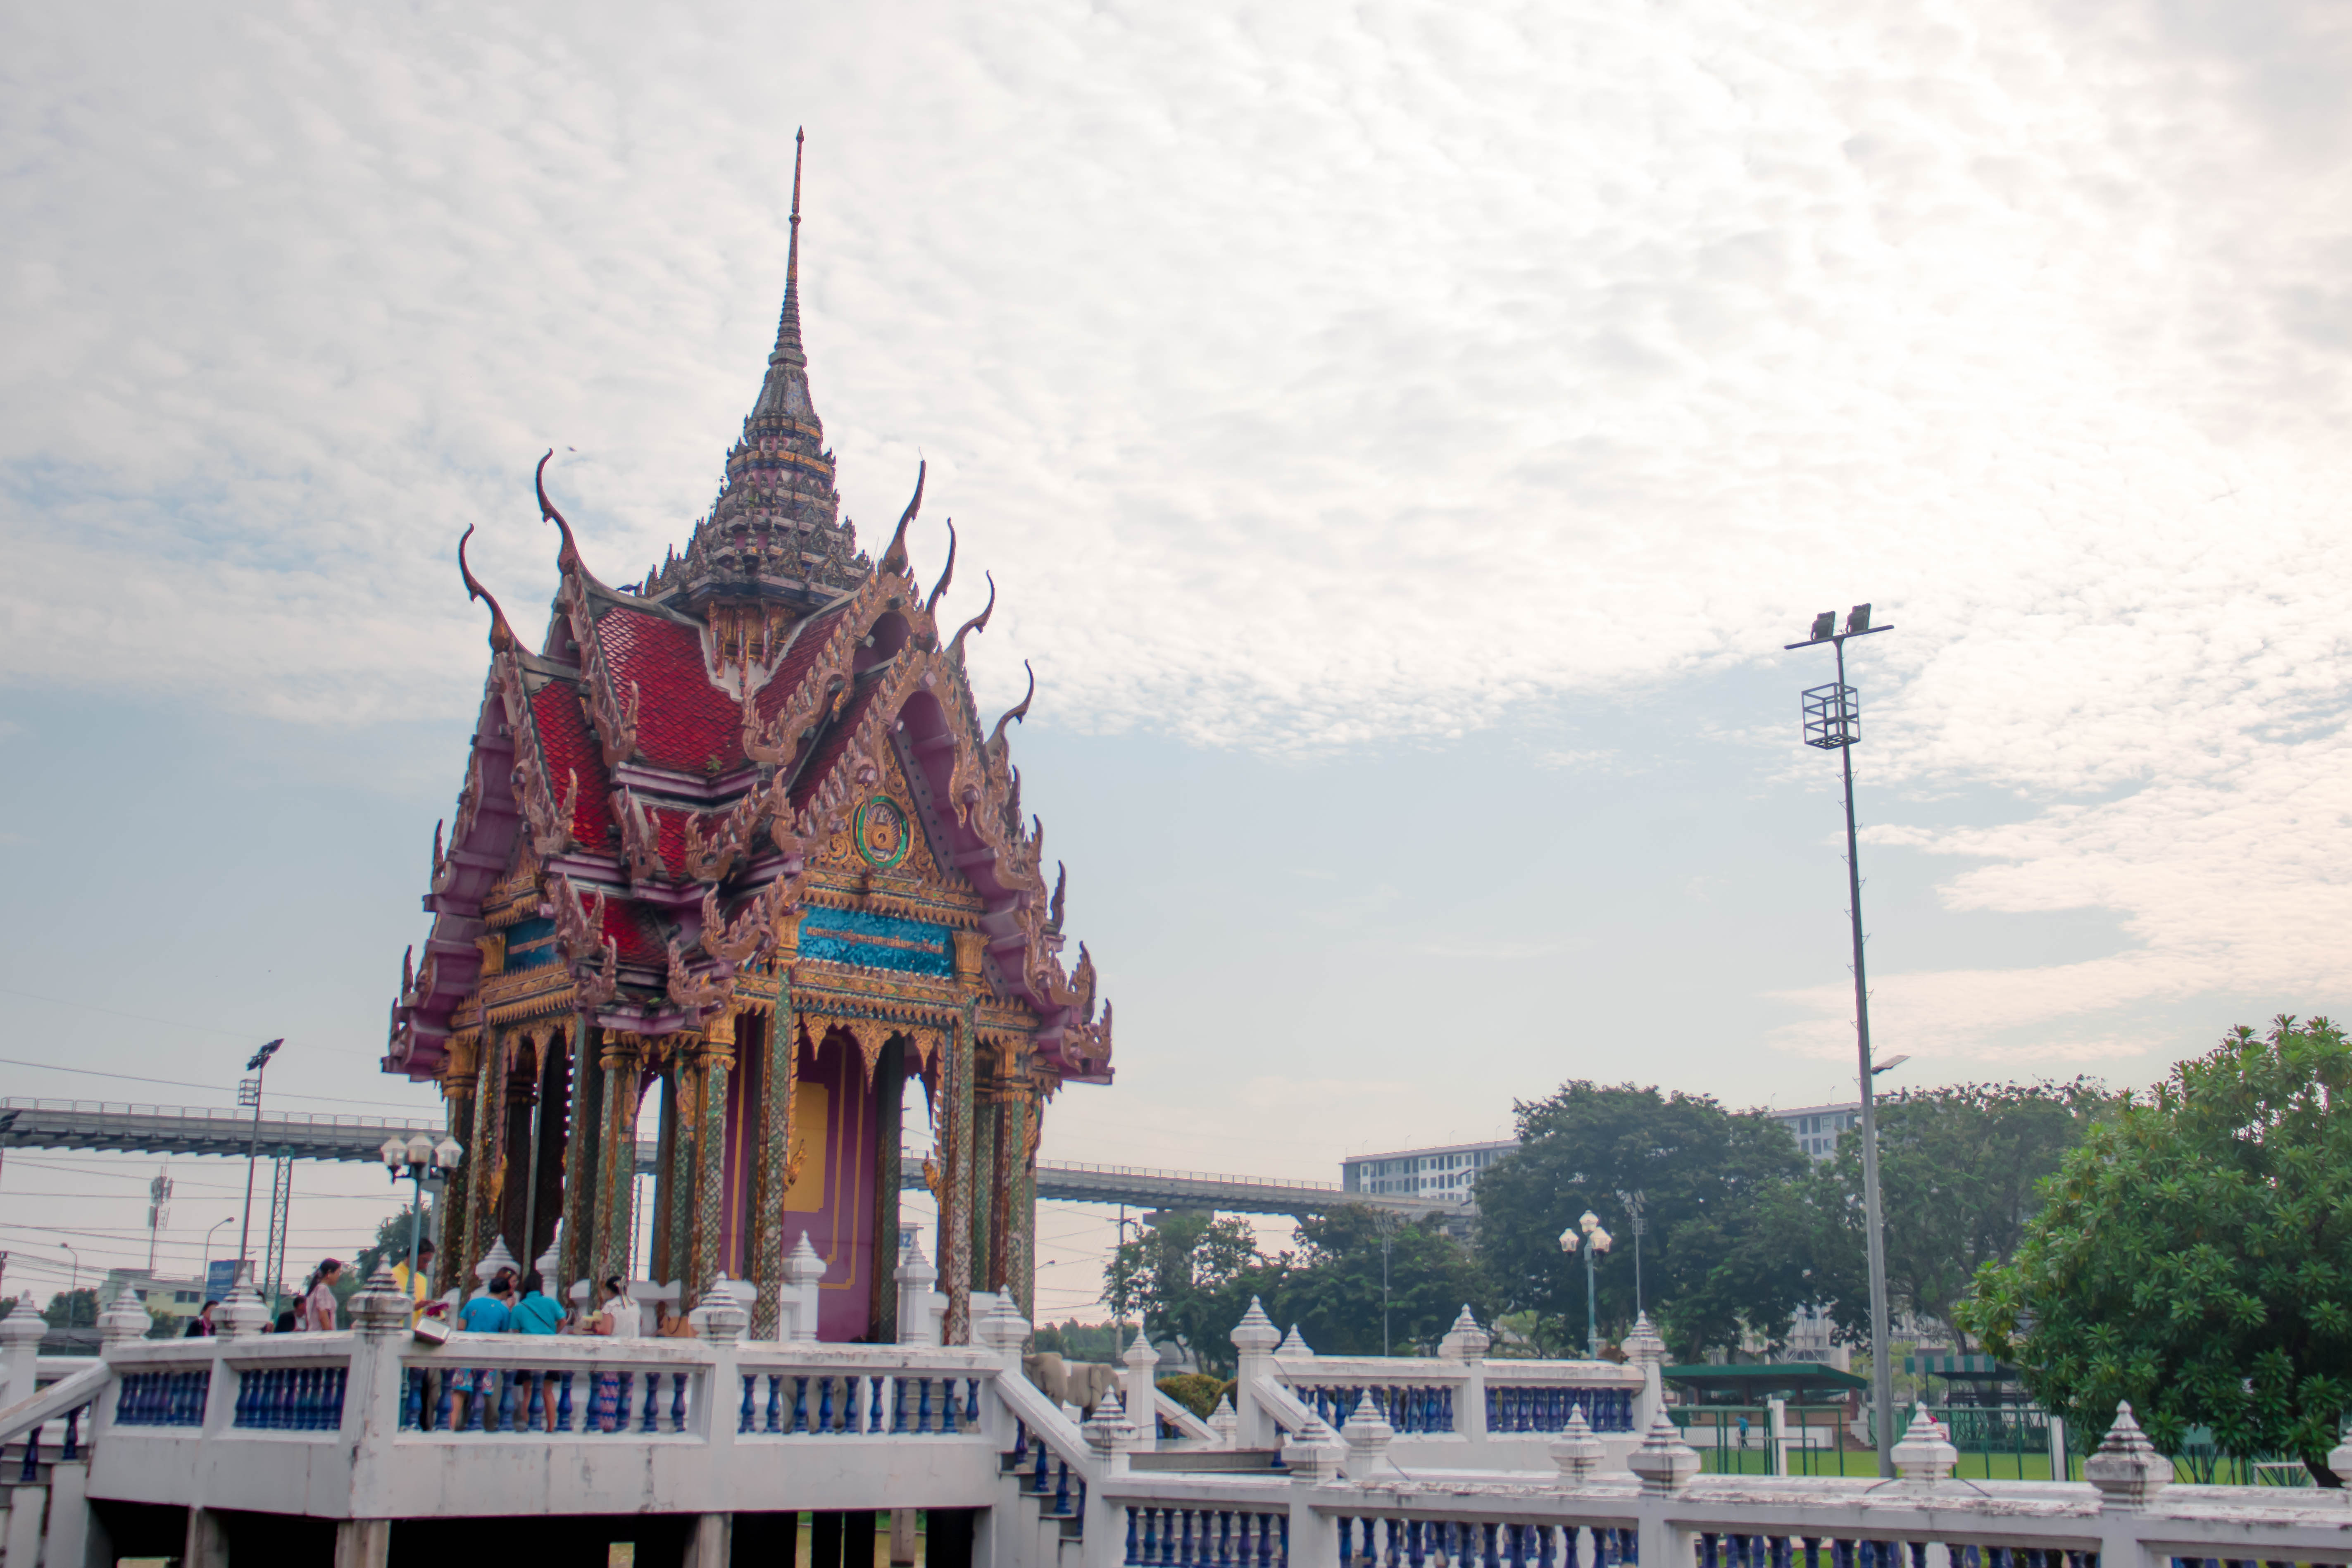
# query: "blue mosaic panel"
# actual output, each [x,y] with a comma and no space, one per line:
[876,941]
[530,943]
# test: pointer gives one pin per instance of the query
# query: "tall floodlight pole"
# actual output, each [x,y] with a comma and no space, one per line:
[1833,722]
[249,1093]
[1633,1202]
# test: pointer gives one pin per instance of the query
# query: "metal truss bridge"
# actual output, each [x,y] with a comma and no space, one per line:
[179,1130]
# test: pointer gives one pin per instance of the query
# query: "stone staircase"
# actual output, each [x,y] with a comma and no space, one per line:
[1050,1502]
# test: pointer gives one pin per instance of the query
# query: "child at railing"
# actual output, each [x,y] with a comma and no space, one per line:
[617,1319]
[490,1314]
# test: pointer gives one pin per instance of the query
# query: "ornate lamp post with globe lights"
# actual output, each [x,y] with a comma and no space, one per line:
[414,1158]
[1596,1242]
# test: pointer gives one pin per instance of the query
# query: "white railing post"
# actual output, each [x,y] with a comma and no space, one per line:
[1776,1433]
[803,1269]
[1109,1435]
[1647,1352]
[1466,1342]
[1665,1465]
[372,1394]
[1254,1338]
[1143,1393]
[918,1323]
[21,1333]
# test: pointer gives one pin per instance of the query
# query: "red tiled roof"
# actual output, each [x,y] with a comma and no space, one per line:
[836,740]
[565,739]
[669,833]
[683,721]
[627,927]
[814,633]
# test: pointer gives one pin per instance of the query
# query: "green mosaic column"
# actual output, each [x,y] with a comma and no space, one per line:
[779,1079]
[956,1231]
[987,1255]
[710,1176]
[584,1134]
[1020,1203]
[616,1210]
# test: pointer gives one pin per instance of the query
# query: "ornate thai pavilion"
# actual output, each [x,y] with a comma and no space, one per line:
[738,830]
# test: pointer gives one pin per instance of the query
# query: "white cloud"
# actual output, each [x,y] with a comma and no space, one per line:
[1307,375]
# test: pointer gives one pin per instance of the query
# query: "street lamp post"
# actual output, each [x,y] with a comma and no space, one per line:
[1596,1241]
[1633,1202]
[76,1285]
[414,1158]
[1833,722]
[207,1272]
[248,1092]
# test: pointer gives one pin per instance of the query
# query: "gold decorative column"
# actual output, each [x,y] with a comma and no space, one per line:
[718,1062]
[955,1125]
[1019,1162]
[456,1190]
[487,1153]
[617,1173]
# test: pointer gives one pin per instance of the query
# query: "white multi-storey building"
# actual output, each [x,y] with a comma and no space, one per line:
[1447,1171]
[1816,1127]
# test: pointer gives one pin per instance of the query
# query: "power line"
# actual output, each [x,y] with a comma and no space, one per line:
[185,1083]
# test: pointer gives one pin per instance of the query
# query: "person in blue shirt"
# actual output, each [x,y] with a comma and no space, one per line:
[491,1313]
[536,1314]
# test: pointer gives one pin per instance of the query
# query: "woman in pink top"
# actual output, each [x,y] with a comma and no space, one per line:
[318,1306]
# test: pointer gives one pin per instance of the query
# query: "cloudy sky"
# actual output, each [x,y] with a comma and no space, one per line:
[1403,434]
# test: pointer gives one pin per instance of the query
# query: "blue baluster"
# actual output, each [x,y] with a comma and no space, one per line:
[441,1405]
[950,1407]
[412,1405]
[971,1404]
[1629,1546]
[32,1469]
[775,1415]
[563,1403]
[922,1405]
[1061,1486]
[72,1450]
[1131,1527]
[652,1422]
[743,1417]
[507,1381]
[677,1402]
[1038,1473]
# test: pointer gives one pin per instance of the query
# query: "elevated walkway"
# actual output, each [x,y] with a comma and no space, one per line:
[130,1129]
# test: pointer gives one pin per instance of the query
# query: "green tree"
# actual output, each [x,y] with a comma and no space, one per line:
[72,1310]
[1332,1288]
[1957,1174]
[391,1243]
[2194,1256]
[1191,1277]
[1705,1176]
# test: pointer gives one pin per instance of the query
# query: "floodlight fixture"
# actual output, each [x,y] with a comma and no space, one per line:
[261,1058]
[1889,1065]
[1833,722]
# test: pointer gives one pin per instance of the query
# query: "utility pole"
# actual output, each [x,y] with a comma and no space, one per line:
[249,1093]
[1833,722]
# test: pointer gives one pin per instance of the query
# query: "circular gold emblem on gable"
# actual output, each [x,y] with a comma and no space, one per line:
[883,833]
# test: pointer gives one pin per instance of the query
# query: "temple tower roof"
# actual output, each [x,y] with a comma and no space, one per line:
[774,533]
